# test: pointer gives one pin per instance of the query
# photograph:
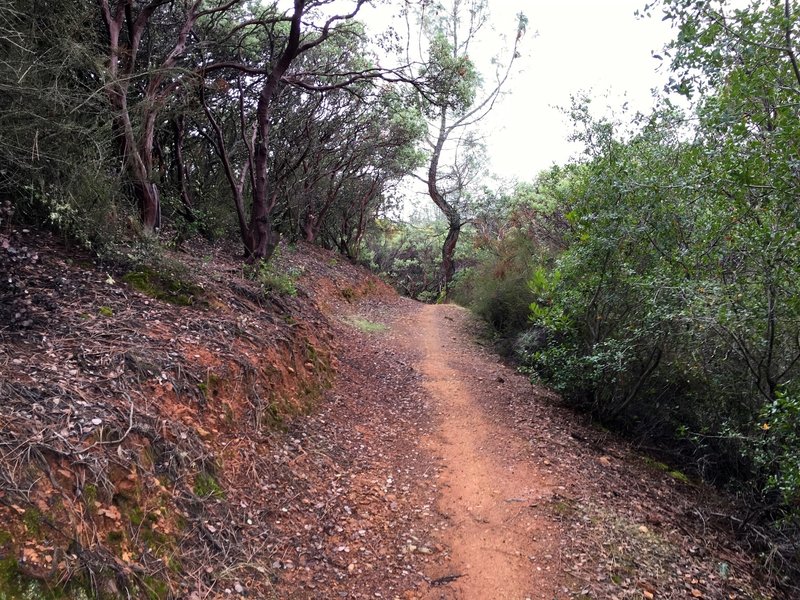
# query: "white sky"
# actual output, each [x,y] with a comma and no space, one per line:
[571,46]
[597,46]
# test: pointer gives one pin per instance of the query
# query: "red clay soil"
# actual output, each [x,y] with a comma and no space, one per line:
[499,547]
[511,496]
[341,443]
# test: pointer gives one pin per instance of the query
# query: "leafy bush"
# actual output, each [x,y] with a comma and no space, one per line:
[408,257]
[671,309]
[496,288]
[56,160]
[778,445]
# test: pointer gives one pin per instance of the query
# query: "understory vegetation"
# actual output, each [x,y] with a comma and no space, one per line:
[654,282]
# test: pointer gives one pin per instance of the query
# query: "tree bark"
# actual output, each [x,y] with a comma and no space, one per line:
[449,210]
[448,254]
[181,177]
[262,238]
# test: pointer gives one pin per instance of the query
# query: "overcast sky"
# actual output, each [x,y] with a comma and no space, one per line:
[571,46]
[597,46]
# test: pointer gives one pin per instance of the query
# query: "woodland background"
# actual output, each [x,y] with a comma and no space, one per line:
[653,281]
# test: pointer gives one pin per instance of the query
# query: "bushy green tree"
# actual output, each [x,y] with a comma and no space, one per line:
[408,255]
[55,160]
[455,99]
[673,308]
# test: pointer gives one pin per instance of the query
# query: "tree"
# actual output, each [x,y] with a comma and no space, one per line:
[140,80]
[355,143]
[54,157]
[672,308]
[285,108]
[260,235]
[458,102]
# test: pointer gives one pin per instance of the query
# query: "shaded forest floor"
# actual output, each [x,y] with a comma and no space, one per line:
[175,429]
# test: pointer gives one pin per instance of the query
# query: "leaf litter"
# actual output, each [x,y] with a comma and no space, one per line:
[201,452]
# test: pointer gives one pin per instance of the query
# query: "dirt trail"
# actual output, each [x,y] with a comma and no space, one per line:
[495,491]
[500,548]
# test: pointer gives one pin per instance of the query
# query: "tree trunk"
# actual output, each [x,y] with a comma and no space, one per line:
[148,198]
[450,211]
[448,252]
[310,227]
[181,177]
[145,191]
[262,240]
[140,160]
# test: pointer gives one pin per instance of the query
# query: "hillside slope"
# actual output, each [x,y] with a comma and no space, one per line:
[144,413]
[173,429]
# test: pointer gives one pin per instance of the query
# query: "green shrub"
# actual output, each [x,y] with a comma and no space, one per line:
[271,278]
[497,287]
[408,257]
[777,446]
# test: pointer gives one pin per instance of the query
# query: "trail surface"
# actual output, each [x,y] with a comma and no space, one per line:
[501,494]
[425,469]
[500,549]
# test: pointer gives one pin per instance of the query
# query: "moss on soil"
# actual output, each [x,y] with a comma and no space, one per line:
[166,287]
[206,486]
[365,325]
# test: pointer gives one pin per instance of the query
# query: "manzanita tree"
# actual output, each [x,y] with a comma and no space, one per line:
[146,44]
[459,100]
[674,306]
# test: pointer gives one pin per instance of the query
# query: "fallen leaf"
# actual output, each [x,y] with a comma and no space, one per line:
[112,512]
[30,555]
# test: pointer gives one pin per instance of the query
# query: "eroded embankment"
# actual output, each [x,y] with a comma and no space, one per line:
[142,411]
